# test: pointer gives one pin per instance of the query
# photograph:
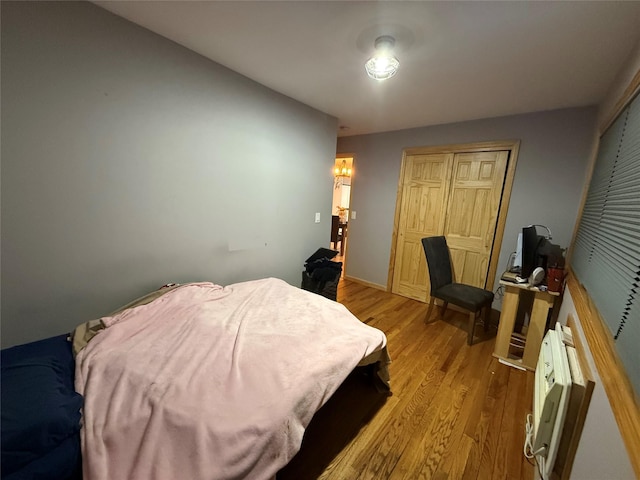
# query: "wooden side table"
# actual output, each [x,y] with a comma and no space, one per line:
[542,303]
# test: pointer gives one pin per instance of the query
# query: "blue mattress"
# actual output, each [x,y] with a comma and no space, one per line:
[41,412]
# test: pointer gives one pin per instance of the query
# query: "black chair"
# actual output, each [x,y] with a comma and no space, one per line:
[470,298]
[336,231]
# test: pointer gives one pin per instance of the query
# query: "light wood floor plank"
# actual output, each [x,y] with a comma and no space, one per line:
[381,461]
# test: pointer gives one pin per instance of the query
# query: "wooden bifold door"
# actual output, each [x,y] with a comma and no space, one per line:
[461,192]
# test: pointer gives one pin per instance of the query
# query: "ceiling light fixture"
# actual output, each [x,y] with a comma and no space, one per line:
[383,65]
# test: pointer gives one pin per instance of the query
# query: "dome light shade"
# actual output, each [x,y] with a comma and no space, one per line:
[381,68]
[383,65]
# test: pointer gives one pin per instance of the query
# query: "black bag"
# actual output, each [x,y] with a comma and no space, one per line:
[321,275]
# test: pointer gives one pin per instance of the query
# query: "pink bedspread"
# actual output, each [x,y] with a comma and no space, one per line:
[212,383]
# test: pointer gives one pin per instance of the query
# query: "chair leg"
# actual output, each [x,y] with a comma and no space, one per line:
[443,309]
[487,317]
[472,323]
[432,302]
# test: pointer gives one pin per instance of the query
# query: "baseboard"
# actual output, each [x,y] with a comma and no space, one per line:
[365,283]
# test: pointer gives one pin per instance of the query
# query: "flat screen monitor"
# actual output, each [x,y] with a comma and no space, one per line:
[530,243]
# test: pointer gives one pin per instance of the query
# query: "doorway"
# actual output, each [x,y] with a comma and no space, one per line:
[461,192]
[340,208]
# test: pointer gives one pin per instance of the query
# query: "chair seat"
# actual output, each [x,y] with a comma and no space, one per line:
[465,296]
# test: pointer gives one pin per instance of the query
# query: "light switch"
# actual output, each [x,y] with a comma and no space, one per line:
[317,217]
[353,214]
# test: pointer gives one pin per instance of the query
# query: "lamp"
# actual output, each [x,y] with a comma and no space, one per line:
[343,170]
[383,64]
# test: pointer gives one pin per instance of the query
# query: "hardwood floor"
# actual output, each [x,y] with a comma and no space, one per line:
[454,411]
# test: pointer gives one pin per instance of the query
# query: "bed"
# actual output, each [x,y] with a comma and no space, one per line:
[204,381]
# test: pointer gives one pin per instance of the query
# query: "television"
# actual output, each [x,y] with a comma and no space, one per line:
[551,399]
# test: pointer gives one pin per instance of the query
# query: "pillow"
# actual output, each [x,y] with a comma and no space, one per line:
[39,410]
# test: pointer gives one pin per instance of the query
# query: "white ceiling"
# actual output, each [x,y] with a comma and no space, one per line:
[458,60]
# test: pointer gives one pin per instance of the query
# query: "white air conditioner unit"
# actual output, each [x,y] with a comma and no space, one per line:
[550,401]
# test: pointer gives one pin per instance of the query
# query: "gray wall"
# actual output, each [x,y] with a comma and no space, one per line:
[129,162]
[601,452]
[551,172]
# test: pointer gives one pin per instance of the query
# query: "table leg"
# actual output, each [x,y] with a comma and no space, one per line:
[542,303]
[507,322]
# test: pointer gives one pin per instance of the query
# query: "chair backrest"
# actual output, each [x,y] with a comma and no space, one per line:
[335,227]
[438,261]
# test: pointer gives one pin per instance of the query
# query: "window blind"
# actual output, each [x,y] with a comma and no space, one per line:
[606,256]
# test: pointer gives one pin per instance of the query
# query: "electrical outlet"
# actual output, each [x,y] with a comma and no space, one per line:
[353,214]
[317,217]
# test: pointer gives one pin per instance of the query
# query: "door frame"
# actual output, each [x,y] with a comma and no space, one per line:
[512,146]
[352,156]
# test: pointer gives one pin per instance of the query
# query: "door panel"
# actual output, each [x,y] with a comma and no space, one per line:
[472,213]
[414,272]
[425,188]
[472,262]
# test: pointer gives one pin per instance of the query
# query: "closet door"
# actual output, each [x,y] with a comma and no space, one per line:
[457,192]
[425,188]
[472,213]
